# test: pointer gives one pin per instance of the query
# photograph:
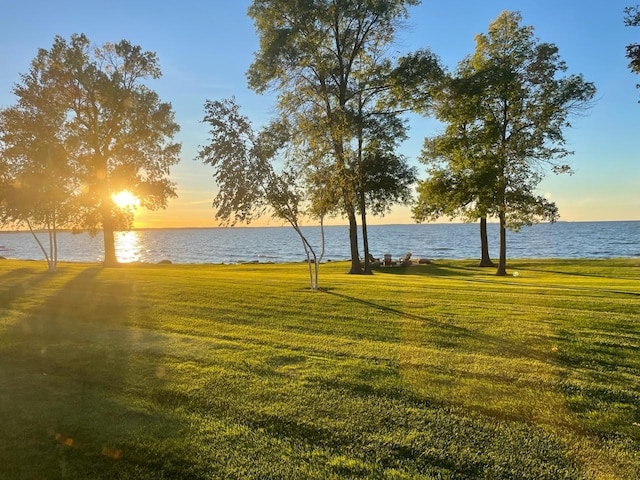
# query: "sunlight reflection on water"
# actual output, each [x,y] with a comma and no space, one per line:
[128,247]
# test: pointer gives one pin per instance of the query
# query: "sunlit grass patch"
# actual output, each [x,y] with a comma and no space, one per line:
[442,371]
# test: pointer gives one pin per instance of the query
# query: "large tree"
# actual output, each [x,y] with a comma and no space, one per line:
[326,59]
[519,104]
[114,128]
[459,166]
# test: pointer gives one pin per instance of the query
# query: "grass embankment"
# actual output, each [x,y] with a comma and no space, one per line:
[438,371]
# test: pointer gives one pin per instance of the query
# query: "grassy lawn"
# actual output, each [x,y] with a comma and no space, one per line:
[438,371]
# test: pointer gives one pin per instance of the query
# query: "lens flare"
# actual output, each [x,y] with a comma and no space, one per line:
[125,199]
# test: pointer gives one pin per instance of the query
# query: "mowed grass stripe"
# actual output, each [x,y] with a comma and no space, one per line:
[199,371]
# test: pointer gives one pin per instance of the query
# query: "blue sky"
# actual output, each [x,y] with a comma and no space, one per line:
[205,48]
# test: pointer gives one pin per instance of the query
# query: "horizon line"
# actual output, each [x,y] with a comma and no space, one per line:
[314,225]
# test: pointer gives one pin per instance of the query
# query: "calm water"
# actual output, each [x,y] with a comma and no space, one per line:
[281,244]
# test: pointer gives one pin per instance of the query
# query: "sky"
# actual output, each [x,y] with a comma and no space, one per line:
[206,46]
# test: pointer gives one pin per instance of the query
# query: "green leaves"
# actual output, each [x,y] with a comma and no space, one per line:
[632,19]
[505,110]
[240,169]
[415,80]
[244,168]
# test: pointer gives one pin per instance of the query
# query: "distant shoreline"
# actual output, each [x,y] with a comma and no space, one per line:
[237,227]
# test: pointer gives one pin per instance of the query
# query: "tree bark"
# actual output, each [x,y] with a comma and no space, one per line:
[110,259]
[485,260]
[44,251]
[502,265]
[309,252]
[356,268]
[55,243]
[365,240]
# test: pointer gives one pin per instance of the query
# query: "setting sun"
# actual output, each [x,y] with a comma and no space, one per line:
[125,199]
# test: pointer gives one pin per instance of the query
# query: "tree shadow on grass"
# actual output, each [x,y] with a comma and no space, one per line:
[482,274]
[71,376]
[577,354]
[502,345]
[434,270]
[15,283]
[575,274]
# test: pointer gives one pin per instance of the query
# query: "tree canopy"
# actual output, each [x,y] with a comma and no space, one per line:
[249,185]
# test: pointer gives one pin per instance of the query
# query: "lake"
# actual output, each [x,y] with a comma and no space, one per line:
[281,244]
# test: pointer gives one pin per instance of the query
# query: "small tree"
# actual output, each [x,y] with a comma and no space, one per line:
[39,182]
[41,199]
[249,185]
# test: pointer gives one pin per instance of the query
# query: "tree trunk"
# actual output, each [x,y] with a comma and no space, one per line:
[110,259]
[53,257]
[356,268]
[55,245]
[502,265]
[365,240]
[308,250]
[485,260]
[44,251]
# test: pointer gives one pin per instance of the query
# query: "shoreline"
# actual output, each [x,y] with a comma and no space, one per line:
[414,264]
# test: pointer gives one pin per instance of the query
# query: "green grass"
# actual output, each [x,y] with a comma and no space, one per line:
[438,371]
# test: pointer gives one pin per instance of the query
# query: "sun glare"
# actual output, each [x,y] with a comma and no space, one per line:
[125,199]
[128,246]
